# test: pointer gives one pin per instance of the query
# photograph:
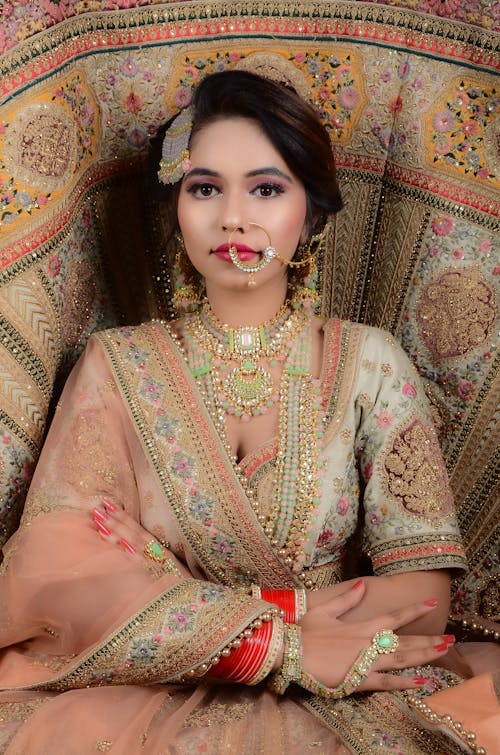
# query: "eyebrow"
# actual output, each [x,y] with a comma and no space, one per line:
[251,174]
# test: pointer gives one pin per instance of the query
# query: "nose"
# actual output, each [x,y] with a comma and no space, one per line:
[234,215]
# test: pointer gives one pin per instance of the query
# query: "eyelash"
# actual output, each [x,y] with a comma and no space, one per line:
[196,188]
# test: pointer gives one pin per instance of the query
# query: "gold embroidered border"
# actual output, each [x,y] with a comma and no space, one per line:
[418,552]
[377,723]
[436,36]
[345,375]
[107,663]
[256,560]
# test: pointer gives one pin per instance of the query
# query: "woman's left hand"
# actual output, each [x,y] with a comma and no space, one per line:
[389,593]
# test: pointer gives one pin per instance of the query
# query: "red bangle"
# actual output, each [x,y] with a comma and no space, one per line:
[243,662]
[284,599]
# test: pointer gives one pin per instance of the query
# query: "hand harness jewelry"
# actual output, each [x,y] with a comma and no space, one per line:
[383,642]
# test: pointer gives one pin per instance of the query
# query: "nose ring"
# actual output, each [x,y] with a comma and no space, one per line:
[268,254]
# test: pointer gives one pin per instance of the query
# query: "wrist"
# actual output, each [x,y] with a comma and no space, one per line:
[293,603]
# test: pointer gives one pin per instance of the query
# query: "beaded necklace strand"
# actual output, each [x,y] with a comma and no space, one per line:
[287,338]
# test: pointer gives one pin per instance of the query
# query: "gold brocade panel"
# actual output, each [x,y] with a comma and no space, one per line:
[411,103]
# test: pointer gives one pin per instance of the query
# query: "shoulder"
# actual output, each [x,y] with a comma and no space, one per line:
[367,338]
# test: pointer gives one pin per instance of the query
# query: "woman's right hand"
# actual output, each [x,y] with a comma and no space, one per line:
[330,646]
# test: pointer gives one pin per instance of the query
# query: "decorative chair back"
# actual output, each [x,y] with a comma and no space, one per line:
[411,105]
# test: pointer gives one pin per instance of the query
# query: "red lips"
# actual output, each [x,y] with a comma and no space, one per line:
[244,252]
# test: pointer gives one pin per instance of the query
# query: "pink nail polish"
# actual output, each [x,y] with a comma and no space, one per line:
[442,646]
[449,638]
[104,530]
[419,680]
[109,506]
[357,584]
[99,515]
[125,544]
[432,603]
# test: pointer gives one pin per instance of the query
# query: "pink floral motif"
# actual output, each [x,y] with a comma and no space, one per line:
[396,105]
[443,121]
[409,390]
[133,102]
[54,266]
[325,537]
[465,390]
[129,67]
[182,97]
[458,253]
[368,470]
[384,418]
[470,127]
[434,250]
[442,226]
[342,506]
[485,246]
[349,98]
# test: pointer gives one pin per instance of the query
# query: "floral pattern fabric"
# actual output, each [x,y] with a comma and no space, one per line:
[410,101]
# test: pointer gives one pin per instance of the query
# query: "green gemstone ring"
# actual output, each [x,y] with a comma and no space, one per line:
[155,552]
[385,641]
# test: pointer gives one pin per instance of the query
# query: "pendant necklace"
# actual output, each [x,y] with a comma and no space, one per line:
[246,389]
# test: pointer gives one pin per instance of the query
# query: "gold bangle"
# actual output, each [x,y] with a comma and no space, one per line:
[291,668]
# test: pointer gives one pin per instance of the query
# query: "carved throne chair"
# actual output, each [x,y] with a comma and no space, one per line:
[410,100]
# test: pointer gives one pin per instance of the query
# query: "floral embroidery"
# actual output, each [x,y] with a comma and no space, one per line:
[142,651]
[459,127]
[384,418]
[77,100]
[336,96]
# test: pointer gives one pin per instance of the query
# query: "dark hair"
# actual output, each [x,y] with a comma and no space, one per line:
[289,123]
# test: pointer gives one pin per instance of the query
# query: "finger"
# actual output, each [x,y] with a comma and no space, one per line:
[402,616]
[325,595]
[340,604]
[411,654]
[111,529]
[381,682]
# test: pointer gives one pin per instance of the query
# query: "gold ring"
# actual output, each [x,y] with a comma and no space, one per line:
[155,552]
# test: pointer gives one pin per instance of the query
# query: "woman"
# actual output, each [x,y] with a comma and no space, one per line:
[179,583]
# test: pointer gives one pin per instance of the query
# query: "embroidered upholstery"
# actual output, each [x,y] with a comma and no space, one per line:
[411,102]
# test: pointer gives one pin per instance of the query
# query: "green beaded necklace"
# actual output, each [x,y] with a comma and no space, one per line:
[297,474]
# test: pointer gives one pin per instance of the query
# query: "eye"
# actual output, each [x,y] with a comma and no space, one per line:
[266,190]
[202,190]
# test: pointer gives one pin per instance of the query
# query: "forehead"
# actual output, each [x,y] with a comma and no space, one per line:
[234,140]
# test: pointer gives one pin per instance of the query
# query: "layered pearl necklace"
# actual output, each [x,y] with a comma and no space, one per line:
[231,366]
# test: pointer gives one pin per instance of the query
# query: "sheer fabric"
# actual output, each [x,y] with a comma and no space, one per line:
[97,647]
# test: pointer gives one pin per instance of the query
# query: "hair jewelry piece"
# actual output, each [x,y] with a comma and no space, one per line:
[174,152]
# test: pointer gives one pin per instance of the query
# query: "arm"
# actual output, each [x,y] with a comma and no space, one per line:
[66,594]
[388,593]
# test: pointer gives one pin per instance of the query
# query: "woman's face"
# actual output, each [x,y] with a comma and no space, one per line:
[237,178]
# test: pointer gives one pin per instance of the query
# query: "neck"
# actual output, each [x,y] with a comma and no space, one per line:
[250,306]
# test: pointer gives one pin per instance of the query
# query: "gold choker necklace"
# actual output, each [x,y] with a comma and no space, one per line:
[247,389]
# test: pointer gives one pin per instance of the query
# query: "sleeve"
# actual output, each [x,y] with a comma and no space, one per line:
[77,610]
[409,517]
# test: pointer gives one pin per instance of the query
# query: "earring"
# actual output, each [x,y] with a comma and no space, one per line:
[304,284]
[187,294]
